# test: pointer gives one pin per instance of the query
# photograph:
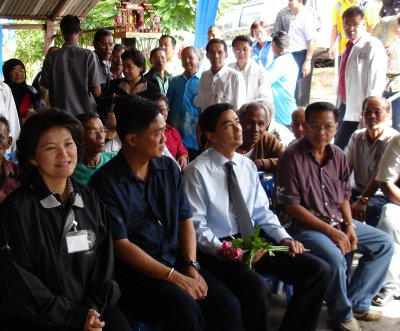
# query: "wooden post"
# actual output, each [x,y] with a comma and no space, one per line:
[48,35]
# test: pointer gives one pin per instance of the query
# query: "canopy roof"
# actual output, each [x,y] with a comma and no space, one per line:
[44,9]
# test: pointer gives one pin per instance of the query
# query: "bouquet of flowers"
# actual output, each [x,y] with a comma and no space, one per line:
[243,250]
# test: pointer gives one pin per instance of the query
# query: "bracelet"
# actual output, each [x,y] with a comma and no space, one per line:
[170,273]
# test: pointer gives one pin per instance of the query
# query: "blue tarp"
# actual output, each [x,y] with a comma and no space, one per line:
[206,13]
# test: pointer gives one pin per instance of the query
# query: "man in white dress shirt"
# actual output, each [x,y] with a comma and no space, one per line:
[220,83]
[255,77]
[206,184]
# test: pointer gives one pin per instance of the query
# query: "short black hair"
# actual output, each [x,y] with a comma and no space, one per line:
[119,47]
[154,50]
[134,114]
[209,117]
[70,24]
[34,128]
[320,107]
[281,40]
[101,33]
[159,97]
[4,120]
[217,41]
[173,40]
[137,58]
[86,117]
[353,11]
[242,38]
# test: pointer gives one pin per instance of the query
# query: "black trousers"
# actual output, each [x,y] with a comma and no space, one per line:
[160,302]
[113,318]
[303,85]
[308,274]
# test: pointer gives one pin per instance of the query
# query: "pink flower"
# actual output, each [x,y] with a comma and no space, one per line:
[226,245]
[235,254]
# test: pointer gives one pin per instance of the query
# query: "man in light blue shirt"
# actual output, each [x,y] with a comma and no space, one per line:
[206,185]
[283,77]
[184,114]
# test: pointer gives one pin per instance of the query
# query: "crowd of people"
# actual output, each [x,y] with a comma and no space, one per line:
[120,185]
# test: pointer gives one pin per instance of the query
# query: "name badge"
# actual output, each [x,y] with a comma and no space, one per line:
[77,241]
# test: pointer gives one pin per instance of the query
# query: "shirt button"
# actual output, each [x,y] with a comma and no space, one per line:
[326,203]
[323,186]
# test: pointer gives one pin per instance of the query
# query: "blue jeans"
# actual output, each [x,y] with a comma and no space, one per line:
[395,110]
[345,295]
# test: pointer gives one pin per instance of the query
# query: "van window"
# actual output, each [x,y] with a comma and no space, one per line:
[250,14]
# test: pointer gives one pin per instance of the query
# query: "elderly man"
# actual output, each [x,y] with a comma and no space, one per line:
[220,83]
[154,237]
[259,145]
[361,73]
[363,153]
[94,155]
[227,200]
[72,74]
[158,74]
[312,184]
[183,114]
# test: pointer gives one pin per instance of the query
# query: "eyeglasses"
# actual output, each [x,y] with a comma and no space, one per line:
[105,45]
[164,110]
[243,50]
[92,132]
[313,127]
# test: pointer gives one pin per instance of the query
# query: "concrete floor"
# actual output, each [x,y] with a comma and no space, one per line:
[389,322]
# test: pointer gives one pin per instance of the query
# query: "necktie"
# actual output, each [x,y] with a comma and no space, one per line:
[342,70]
[239,206]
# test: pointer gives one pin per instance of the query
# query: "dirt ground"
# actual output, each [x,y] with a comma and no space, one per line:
[323,85]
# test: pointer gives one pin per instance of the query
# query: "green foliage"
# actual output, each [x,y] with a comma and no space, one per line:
[176,14]
[29,50]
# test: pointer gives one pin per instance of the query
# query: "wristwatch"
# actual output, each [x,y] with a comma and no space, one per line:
[192,263]
[363,199]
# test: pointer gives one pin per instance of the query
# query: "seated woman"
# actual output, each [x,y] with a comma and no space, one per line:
[8,170]
[26,98]
[57,254]
[174,142]
[259,145]
[133,68]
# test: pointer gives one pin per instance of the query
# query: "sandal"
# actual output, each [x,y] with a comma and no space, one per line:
[382,298]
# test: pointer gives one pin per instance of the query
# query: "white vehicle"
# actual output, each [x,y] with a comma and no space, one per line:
[237,20]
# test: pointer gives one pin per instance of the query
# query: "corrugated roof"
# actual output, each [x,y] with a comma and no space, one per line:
[44,9]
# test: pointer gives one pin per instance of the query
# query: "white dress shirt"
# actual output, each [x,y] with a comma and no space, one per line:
[206,186]
[9,111]
[255,77]
[303,28]
[227,85]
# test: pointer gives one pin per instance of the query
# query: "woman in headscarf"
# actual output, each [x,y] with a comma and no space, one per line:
[27,98]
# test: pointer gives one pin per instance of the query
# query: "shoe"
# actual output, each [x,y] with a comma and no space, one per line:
[368,316]
[350,325]
[383,297]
